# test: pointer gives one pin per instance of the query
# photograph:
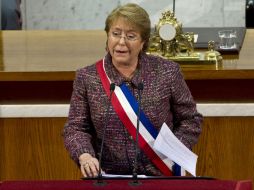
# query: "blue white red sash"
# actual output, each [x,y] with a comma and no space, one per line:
[126,107]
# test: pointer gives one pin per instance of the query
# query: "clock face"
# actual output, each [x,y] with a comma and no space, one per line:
[167,32]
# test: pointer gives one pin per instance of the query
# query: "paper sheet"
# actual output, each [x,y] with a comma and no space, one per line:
[169,145]
[123,176]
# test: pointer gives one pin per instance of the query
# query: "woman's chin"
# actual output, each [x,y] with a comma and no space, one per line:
[121,60]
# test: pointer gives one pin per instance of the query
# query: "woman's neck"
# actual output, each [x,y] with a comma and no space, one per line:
[126,70]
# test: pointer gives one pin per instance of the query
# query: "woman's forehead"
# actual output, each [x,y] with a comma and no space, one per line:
[123,23]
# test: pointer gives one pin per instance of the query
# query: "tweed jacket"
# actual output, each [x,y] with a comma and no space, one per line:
[165,98]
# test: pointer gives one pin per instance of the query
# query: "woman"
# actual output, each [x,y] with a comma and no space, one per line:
[96,112]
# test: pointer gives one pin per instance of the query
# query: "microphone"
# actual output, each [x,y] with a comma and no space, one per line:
[135,165]
[112,88]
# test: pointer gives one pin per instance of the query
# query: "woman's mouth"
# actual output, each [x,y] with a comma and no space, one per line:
[121,52]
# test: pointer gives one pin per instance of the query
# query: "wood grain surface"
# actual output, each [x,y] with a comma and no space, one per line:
[55,55]
[32,149]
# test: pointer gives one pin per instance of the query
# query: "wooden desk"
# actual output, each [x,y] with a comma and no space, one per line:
[29,57]
[38,67]
[126,184]
[36,56]
[55,55]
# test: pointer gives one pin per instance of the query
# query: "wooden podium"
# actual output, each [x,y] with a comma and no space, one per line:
[126,184]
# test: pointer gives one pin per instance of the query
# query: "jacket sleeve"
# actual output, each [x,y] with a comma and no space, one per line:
[187,120]
[78,130]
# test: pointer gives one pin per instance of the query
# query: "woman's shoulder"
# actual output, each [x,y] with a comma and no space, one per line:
[87,70]
[159,61]
[87,74]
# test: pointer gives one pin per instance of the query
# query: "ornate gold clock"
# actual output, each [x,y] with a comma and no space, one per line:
[168,40]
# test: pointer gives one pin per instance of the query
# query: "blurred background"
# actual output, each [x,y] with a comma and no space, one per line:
[91,14]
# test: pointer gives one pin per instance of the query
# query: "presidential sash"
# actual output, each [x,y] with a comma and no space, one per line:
[126,107]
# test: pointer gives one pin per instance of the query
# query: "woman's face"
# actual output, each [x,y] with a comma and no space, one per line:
[124,42]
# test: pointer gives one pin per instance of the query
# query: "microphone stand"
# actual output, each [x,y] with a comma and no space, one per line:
[99,178]
[174,7]
[135,167]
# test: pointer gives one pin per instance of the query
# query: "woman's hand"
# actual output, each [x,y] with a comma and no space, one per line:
[89,165]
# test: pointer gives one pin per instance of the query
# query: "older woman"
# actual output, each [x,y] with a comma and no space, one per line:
[140,82]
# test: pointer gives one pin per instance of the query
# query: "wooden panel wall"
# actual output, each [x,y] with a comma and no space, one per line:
[226,148]
[32,148]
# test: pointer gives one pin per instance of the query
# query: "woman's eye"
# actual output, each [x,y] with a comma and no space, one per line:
[131,36]
[116,33]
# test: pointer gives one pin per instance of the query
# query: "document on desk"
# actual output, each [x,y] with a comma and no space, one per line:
[122,176]
[170,146]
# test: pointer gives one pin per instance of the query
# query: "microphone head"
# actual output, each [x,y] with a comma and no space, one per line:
[112,86]
[140,86]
